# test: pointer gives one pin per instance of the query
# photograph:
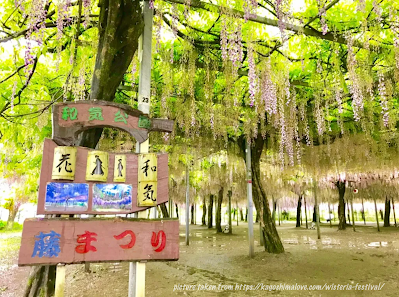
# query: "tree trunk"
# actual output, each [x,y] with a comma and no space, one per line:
[229,194]
[347,206]
[203,212]
[241,215]
[120,25]
[376,215]
[177,210]
[192,214]
[274,203]
[329,214]
[12,213]
[257,217]
[314,214]
[246,214]
[219,211]
[341,206]
[210,212]
[298,211]
[164,210]
[271,238]
[306,212]
[393,210]
[387,212]
[363,214]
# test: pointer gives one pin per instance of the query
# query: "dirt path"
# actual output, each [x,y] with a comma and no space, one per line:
[364,257]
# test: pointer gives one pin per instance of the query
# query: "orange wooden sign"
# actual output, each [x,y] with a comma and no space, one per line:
[68,240]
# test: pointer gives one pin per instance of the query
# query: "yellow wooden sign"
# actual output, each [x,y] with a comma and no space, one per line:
[147,194]
[97,166]
[120,168]
[148,167]
[64,163]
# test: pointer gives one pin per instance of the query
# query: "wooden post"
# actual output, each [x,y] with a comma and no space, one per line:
[353,216]
[250,217]
[187,204]
[317,210]
[306,212]
[376,215]
[393,210]
[329,213]
[60,281]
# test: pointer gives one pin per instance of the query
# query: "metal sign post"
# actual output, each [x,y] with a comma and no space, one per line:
[137,269]
[250,202]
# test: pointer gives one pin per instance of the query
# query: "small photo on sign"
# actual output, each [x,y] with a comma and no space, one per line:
[112,197]
[120,168]
[66,197]
[97,166]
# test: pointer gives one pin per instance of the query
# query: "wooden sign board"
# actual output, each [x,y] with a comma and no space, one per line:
[71,118]
[69,241]
[83,196]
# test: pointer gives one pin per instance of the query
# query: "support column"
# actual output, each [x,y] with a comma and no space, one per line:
[250,202]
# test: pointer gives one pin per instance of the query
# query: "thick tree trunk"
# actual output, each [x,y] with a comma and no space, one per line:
[120,25]
[12,213]
[192,214]
[341,206]
[164,210]
[241,215]
[203,212]
[387,212]
[271,238]
[298,211]
[219,211]
[210,212]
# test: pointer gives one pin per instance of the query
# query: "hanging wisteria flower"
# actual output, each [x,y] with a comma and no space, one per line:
[361,6]
[269,96]
[250,7]
[158,31]
[173,25]
[322,15]
[224,39]
[187,4]
[378,11]
[86,11]
[355,89]
[151,4]
[383,98]
[252,77]
[281,7]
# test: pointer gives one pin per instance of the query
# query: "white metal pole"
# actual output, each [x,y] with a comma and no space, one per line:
[250,202]
[137,269]
[187,205]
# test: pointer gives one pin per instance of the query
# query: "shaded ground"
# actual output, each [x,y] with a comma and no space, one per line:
[341,257]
